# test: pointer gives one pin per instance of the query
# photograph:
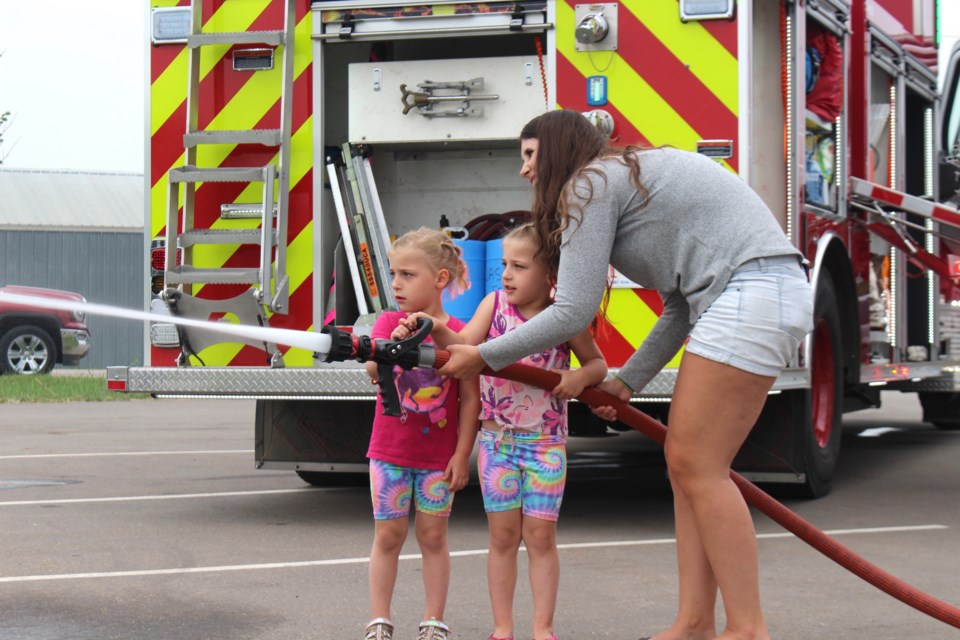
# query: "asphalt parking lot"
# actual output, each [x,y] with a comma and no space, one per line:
[146,520]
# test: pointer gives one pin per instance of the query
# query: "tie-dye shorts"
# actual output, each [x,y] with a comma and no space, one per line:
[521,470]
[393,486]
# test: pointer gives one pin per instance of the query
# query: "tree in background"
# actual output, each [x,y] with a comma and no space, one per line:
[4,118]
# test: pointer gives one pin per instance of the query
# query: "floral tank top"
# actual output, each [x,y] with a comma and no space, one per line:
[518,406]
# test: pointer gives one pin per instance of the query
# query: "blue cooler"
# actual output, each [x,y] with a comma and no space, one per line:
[463,306]
[494,264]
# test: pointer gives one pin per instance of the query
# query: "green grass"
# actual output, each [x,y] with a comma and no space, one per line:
[47,388]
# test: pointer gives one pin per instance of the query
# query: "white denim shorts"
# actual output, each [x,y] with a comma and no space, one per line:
[758,321]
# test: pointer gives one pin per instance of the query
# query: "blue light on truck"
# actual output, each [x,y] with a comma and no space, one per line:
[597,91]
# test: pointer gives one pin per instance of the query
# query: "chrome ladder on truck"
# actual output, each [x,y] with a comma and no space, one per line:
[270,292]
[363,228]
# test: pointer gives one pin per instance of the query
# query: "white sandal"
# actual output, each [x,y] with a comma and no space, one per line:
[433,629]
[379,629]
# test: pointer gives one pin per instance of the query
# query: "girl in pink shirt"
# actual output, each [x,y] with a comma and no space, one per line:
[422,457]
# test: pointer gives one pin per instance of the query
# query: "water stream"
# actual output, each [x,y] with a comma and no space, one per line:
[316,342]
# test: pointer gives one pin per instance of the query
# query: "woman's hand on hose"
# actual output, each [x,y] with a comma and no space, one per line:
[615,388]
[464,362]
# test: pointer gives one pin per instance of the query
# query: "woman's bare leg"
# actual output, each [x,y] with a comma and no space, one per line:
[714,407]
[698,588]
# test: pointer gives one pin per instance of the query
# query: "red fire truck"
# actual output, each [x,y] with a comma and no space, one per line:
[289,140]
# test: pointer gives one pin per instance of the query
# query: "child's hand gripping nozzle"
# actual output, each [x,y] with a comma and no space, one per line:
[407,353]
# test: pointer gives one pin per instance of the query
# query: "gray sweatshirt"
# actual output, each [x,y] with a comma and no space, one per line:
[700,223]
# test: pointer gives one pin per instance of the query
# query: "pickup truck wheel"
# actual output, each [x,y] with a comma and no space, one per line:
[27,350]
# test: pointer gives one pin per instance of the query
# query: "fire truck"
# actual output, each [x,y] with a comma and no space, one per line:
[290,140]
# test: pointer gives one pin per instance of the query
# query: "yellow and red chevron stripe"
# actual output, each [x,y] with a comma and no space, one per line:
[669,83]
[237,100]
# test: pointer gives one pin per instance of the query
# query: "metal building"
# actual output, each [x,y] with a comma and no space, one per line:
[79,232]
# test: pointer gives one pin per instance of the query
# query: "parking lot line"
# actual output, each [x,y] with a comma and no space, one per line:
[31,456]
[169,496]
[765,536]
[416,556]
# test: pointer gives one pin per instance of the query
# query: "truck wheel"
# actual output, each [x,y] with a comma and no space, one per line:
[822,418]
[27,350]
[942,409]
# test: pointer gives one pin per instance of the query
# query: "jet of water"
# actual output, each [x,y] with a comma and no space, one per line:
[316,342]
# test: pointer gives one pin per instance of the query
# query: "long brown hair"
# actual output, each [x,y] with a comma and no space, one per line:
[567,144]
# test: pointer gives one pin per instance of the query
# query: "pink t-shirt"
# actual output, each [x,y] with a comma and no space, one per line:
[425,434]
[514,405]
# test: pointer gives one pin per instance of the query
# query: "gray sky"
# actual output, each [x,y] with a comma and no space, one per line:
[73,76]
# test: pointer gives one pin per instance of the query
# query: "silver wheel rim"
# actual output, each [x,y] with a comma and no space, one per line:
[27,354]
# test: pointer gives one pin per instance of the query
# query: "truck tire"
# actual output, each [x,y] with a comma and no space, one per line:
[941,409]
[27,350]
[821,418]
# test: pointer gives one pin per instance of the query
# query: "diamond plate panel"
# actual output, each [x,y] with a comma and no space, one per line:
[662,384]
[333,382]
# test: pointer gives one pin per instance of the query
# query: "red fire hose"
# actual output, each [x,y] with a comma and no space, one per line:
[780,514]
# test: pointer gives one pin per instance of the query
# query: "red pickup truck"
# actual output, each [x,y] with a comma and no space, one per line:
[33,340]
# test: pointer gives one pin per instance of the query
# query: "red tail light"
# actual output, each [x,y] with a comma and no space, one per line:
[157,256]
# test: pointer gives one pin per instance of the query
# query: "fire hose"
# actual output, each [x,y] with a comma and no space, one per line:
[755,496]
[332,344]
[410,352]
